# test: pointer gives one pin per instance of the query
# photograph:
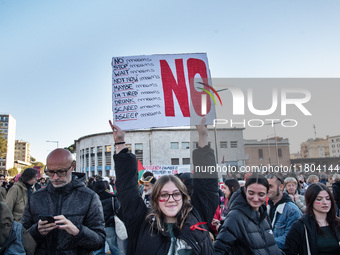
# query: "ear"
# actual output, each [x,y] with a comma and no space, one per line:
[282,187]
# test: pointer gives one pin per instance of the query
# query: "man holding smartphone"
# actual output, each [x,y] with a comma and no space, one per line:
[65,216]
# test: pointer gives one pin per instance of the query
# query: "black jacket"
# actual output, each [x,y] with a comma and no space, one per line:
[78,204]
[244,231]
[144,240]
[336,193]
[106,200]
[296,238]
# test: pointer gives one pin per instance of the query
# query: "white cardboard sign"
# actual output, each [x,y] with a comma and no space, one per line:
[161,91]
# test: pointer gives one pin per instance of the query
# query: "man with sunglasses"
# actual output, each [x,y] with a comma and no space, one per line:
[282,211]
[65,216]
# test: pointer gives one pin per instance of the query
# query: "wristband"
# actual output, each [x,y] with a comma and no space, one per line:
[119,143]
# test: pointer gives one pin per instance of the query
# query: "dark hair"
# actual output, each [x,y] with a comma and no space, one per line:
[99,186]
[146,174]
[28,174]
[279,179]
[233,186]
[311,193]
[257,178]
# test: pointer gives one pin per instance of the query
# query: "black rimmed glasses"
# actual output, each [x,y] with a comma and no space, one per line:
[60,173]
[176,196]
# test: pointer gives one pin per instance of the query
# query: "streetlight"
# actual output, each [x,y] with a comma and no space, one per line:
[57,142]
[270,162]
[277,152]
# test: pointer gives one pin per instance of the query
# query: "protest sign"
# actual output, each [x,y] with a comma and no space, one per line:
[161,91]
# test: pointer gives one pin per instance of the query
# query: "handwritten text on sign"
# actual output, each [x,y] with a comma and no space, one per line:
[160,90]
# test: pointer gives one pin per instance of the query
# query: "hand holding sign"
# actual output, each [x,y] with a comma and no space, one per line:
[118,137]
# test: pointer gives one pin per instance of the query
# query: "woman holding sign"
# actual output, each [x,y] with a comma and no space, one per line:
[173,225]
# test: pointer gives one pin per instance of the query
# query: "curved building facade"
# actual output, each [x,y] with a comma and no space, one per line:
[94,153]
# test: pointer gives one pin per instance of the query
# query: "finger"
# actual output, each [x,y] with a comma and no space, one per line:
[112,127]
[202,121]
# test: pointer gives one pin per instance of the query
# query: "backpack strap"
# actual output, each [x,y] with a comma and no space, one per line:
[307,241]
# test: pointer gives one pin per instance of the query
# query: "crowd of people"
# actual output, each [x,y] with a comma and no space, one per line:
[188,213]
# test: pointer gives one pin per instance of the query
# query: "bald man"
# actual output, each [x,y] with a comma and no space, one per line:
[77,224]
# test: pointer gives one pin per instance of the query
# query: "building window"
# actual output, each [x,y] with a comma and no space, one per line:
[174,145]
[129,147]
[186,161]
[185,145]
[279,152]
[139,151]
[260,154]
[108,155]
[233,144]
[223,144]
[175,161]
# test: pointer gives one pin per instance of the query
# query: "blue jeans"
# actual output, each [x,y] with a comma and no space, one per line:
[111,239]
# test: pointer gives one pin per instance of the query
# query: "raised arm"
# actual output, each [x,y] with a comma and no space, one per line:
[205,195]
[133,209]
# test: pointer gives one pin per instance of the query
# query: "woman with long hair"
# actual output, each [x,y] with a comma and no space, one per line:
[245,229]
[230,186]
[174,224]
[318,231]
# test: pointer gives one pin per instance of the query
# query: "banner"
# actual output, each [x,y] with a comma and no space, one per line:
[161,91]
[160,170]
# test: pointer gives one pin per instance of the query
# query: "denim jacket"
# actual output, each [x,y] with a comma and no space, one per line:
[285,215]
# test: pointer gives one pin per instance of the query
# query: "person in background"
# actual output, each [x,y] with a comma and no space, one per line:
[323,179]
[282,212]
[230,186]
[318,231]
[14,239]
[148,181]
[100,187]
[18,195]
[291,187]
[42,182]
[245,230]
[3,191]
[336,191]
[90,183]
[312,179]
[173,224]
[303,184]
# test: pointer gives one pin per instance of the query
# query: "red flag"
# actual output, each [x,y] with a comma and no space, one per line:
[223,160]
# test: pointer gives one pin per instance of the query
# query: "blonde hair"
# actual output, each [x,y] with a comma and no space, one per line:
[155,208]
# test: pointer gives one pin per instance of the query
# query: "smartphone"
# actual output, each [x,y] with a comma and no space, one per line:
[49,218]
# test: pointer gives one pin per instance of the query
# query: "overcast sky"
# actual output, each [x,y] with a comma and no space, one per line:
[55,56]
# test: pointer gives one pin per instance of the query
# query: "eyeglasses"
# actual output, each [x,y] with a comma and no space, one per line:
[60,173]
[176,196]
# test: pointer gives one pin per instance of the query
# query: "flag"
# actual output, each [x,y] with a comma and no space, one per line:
[141,169]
